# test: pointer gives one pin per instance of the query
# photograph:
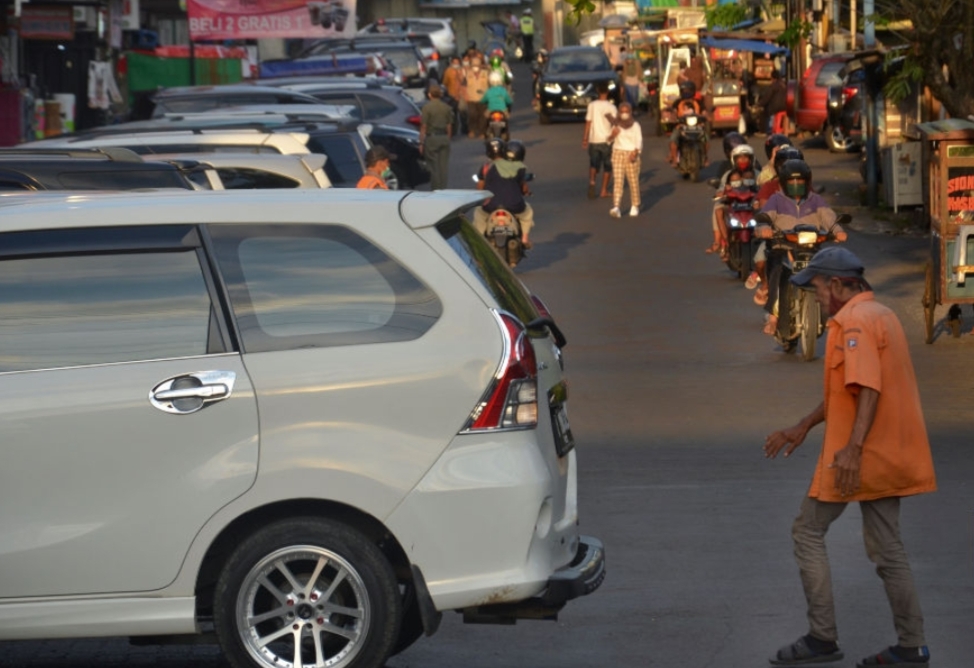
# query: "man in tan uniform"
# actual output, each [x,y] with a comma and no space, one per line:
[475,85]
[435,131]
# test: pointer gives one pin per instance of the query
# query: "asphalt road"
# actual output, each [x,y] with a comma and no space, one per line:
[674,388]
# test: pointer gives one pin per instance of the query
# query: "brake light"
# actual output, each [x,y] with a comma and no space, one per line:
[511,400]
[436,55]
[497,116]
[848,92]
[416,120]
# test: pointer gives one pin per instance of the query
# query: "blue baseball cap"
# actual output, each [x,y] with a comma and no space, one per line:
[832,261]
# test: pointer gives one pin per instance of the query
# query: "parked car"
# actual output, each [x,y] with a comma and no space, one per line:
[810,98]
[303,424]
[34,168]
[191,99]
[370,101]
[440,31]
[238,171]
[180,140]
[569,79]
[431,57]
[405,55]
[338,66]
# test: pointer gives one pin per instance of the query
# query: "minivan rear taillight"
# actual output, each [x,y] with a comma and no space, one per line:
[511,400]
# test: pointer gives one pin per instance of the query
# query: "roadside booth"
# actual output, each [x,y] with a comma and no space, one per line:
[948,186]
[740,69]
[674,51]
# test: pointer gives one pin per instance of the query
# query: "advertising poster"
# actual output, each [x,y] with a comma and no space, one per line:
[256,19]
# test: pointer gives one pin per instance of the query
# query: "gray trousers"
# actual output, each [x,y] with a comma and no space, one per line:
[436,150]
[881,534]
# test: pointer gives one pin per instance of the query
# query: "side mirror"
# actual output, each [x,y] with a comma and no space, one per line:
[762,218]
[476,178]
[843,219]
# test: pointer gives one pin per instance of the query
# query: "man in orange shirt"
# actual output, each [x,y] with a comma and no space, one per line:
[875,452]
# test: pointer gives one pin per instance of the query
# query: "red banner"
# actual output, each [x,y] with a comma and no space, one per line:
[254,19]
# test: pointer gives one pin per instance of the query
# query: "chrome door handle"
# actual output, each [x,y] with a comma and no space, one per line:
[188,393]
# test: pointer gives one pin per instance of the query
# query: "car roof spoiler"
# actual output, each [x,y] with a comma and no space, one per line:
[424,209]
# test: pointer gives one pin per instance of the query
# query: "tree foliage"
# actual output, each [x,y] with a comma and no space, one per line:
[726,16]
[941,54]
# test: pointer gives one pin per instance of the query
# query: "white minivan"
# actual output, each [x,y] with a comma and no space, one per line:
[303,423]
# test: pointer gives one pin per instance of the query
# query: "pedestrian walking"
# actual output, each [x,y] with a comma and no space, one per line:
[627,149]
[475,84]
[435,130]
[598,127]
[527,35]
[377,161]
[453,88]
[875,452]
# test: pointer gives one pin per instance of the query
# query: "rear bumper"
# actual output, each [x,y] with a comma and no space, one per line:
[580,578]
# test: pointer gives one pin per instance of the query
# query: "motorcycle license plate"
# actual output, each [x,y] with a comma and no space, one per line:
[564,441]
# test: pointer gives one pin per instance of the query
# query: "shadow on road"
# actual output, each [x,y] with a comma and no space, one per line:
[547,253]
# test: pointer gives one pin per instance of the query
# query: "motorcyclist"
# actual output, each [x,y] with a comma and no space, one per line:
[732,140]
[496,98]
[498,64]
[507,178]
[782,154]
[795,204]
[742,161]
[687,103]
[771,146]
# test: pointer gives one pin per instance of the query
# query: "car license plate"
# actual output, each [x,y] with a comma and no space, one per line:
[580,101]
[564,441]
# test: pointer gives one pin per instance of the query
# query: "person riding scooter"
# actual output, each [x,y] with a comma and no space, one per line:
[795,204]
[507,179]
[741,158]
[496,63]
[687,104]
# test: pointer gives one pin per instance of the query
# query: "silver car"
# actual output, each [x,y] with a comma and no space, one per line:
[307,422]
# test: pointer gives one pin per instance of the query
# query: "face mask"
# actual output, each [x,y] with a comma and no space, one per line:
[736,183]
[743,164]
[386,174]
[749,183]
[625,116]
[466,63]
[795,189]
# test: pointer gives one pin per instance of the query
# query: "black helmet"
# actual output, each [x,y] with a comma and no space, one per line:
[687,90]
[731,141]
[784,155]
[515,151]
[794,170]
[773,141]
[495,148]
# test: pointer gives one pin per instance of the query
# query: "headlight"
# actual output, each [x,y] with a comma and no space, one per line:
[691,121]
[612,85]
[752,223]
[552,88]
[734,222]
[807,238]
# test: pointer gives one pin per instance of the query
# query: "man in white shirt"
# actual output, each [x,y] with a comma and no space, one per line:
[598,125]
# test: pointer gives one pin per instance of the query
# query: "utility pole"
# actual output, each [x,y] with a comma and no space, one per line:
[872,92]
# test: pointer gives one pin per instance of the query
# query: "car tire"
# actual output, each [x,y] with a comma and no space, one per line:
[837,141]
[332,586]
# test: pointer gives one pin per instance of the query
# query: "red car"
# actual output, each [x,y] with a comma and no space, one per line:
[810,98]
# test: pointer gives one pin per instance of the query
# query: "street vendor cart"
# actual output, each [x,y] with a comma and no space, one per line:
[948,186]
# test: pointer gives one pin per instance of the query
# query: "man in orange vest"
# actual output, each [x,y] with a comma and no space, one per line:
[376,163]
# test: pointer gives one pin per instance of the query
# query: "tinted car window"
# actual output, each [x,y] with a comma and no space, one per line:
[375,107]
[117,179]
[237,178]
[60,311]
[578,61]
[344,166]
[342,99]
[829,74]
[13,186]
[310,286]
[486,265]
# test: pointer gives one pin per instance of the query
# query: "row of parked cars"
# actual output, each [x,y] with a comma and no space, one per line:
[242,404]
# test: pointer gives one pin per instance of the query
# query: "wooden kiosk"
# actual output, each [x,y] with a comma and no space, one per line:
[948,186]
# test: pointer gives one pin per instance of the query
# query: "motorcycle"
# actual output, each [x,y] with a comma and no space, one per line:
[690,143]
[504,232]
[497,126]
[800,319]
[739,215]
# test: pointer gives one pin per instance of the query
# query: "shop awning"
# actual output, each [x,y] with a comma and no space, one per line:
[744,45]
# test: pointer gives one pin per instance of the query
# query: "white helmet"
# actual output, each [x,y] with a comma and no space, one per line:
[743,149]
[495,79]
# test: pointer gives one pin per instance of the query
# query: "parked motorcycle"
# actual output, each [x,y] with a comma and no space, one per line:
[497,126]
[800,320]
[690,144]
[504,232]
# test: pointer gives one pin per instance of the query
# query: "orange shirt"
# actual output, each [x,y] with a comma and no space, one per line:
[371,182]
[866,347]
